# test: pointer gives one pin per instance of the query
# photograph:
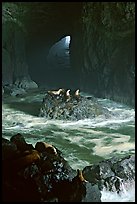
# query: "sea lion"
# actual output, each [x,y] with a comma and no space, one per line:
[79,176]
[45,147]
[77,95]
[20,142]
[78,187]
[67,95]
[56,93]
[23,161]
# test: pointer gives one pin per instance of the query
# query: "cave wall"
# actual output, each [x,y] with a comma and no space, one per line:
[107,49]
[13,54]
[14,65]
[101,50]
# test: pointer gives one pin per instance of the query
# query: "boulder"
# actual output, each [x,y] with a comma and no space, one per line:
[17,91]
[70,107]
[26,83]
[111,173]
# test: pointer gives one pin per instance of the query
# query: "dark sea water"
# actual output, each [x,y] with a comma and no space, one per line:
[82,142]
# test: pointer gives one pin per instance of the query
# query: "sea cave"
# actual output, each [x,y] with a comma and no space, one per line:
[68,101]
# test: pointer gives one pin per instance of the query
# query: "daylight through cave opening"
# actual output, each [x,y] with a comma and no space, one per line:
[58,56]
[58,69]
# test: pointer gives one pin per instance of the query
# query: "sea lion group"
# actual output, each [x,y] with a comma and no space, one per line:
[38,173]
[65,94]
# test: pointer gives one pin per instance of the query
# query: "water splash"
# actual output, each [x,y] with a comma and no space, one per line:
[126,194]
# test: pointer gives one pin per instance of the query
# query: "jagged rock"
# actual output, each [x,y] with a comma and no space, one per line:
[110,173]
[72,108]
[26,83]
[17,91]
[7,88]
[13,90]
[20,87]
[92,193]
[37,175]
[42,176]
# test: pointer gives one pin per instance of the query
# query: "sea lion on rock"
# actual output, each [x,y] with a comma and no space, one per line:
[56,93]
[62,92]
[45,147]
[20,142]
[79,177]
[71,190]
[67,95]
[77,95]
[23,161]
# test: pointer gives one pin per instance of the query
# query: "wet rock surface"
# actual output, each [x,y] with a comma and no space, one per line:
[26,83]
[41,174]
[20,87]
[112,28]
[111,173]
[37,174]
[71,107]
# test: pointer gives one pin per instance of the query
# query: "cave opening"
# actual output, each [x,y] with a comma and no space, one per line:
[58,67]
[51,67]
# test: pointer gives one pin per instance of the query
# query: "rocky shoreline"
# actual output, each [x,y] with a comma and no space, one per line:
[41,174]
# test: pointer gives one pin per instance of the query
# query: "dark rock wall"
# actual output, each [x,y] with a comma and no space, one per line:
[14,63]
[20,63]
[108,50]
[7,62]
[76,53]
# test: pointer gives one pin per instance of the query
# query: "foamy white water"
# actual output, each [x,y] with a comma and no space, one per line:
[127,194]
[82,142]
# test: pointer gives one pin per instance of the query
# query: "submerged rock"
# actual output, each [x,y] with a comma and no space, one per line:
[68,106]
